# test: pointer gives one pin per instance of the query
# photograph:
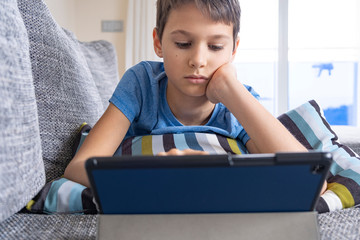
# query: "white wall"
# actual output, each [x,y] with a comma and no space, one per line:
[64,13]
[83,18]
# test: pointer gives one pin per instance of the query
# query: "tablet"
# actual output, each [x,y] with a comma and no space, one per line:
[280,182]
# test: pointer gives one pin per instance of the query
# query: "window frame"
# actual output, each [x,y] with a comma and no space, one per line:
[281,101]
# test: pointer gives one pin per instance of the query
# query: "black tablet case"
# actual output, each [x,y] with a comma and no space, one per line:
[280,182]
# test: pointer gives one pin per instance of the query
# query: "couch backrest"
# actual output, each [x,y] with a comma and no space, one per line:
[50,83]
[21,166]
[67,77]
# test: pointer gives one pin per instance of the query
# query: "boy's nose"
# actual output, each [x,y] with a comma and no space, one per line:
[198,58]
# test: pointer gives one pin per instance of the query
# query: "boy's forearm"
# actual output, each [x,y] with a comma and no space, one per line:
[103,140]
[76,172]
[268,134]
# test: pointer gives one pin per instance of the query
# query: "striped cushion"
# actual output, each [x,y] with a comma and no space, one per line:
[308,124]
[153,144]
[63,196]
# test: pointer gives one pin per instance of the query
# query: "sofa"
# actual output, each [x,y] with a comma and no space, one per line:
[50,83]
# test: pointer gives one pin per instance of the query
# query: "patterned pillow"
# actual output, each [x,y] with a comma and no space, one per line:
[152,145]
[63,196]
[306,123]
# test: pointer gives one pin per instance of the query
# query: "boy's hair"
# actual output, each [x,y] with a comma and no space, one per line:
[225,11]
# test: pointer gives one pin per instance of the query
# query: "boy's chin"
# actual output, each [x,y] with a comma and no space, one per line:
[196,93]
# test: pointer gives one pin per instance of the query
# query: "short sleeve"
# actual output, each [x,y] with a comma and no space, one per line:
[252,91]
[127,95]
[244,137]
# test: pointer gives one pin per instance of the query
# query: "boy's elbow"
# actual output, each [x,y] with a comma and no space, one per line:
[68,171]
[76,172]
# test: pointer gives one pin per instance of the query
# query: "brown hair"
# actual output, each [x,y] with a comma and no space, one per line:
[225,11]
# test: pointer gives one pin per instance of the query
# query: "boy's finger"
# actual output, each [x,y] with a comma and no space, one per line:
[175,151]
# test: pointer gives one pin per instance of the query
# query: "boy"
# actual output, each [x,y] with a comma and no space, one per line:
[194,89]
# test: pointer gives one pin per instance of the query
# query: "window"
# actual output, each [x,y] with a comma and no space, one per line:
[318,57]
[256,59]
[323,56]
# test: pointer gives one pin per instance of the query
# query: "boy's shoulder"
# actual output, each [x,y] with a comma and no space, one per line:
[144,73]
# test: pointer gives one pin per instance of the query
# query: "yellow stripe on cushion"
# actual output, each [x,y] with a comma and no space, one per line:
[146,146]
[233,145]
[343,193]
[82,125]
[30,204]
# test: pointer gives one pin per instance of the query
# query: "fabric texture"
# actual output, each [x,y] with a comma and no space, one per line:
[21,166]
[308,124]
[44,227]
[63,196]
[343,224]
[141,96]
[102,62]
[65,89]
[153,144]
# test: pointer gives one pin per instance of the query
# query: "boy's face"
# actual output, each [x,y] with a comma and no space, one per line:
[193,47]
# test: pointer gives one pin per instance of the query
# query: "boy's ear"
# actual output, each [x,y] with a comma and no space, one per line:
[157,44]
[235,48]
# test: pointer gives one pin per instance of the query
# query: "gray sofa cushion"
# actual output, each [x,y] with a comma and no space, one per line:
[102,62]
[21,166]
[65,89]
[343,224]
[45,227]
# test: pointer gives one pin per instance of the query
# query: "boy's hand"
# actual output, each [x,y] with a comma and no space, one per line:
[175,151]
[221,82]
[324,188]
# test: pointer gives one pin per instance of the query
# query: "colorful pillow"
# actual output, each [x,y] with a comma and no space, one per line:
[63,196]
[306,123]
[153,144]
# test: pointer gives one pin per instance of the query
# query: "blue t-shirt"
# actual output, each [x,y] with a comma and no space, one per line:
[141,97]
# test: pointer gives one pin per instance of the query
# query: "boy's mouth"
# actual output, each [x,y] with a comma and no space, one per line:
[196,79]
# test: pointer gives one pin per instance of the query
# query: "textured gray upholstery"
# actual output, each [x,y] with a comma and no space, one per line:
[65,89]
[342,224]
[21,166]
[45,227]
[102,62]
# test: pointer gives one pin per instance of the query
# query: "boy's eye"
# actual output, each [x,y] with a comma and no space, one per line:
[216,47]
[183,44]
